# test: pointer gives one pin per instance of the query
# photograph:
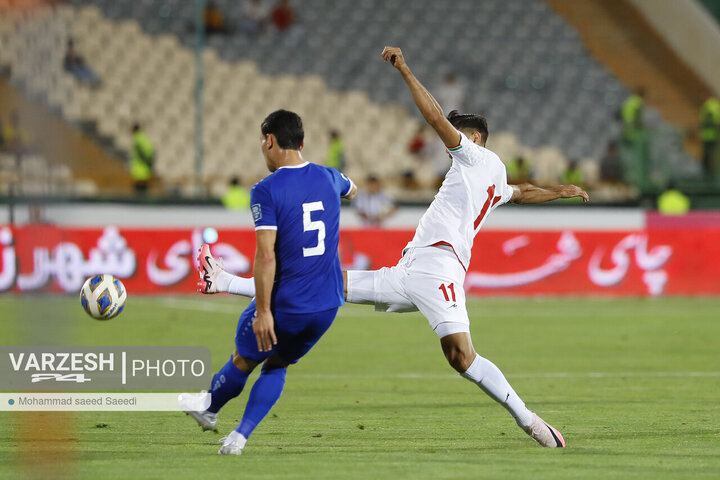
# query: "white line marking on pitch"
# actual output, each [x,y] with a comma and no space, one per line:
[618,374]
[421,376]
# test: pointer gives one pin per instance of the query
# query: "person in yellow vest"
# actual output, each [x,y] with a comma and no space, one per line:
[673,202]
[632,116]
[142,157]
[336,152]
[635,141]
[236,197]
[709,133]
[573,176]
[518,171]
[15,137]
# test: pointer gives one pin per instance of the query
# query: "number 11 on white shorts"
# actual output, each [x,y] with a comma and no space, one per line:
[449,288]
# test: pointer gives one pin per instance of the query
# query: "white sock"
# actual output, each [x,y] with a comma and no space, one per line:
[235,285]
[491,380]
[234,436]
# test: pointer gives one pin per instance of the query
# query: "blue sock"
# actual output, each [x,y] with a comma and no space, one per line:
[226,385]
[264,394]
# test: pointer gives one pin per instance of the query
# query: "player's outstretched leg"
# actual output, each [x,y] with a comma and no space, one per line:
[265,393]
[461,355]
[214,279]
[227,384]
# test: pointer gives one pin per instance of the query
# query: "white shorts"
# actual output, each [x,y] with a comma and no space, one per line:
[429,279]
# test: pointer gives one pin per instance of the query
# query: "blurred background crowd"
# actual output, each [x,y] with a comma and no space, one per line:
[161,100]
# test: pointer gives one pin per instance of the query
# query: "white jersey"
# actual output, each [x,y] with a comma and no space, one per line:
[475,185]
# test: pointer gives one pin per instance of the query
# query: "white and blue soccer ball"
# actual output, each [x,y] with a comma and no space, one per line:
[103,296]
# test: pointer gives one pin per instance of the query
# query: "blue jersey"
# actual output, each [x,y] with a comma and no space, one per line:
[303,204]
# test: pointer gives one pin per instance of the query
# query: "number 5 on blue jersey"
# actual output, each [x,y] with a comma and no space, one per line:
[310,225]
[302,203]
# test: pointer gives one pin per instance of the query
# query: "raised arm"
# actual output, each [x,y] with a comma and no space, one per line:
[264,323]
[428,106]
[528,193]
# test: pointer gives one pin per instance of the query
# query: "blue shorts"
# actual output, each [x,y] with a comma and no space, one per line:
[296,334]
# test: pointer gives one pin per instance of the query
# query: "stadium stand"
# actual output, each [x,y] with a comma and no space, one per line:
[546,98]
[510,54]
[59,159]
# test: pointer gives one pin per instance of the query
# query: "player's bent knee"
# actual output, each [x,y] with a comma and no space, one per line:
[242,363]
[274,362]
[459,360]
[458,351]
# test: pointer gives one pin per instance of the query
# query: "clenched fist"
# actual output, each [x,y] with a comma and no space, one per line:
[395,56]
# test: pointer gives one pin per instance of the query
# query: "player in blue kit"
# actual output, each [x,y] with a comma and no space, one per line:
[298,280]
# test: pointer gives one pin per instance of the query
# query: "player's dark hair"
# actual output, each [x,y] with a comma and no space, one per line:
[287,128]
[469,120]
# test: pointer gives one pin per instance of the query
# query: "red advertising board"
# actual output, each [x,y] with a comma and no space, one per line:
[649,262]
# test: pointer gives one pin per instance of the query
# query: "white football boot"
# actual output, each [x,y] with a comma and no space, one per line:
[233,444]
[208,268]
[546,435]
[191,404]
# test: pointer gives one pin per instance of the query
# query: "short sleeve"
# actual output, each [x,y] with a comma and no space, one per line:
[465,152]
[507,193]
[343,184]
[262,207]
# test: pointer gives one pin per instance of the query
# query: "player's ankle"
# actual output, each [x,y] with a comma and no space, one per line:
[222,281]
[524,419]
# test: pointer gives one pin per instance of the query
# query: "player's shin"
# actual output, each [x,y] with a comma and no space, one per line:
[227,384]
[265,393]
[235,285]
[491,380]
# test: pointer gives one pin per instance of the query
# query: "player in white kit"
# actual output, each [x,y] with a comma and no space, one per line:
[431,273]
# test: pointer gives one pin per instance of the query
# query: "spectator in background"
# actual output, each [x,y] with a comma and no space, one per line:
[673,202]
[142,157]
[451,94]
[254,17]
[573,175]
[418,142]
[372,205]
[283,16]
[214,20]
[15,138]
[418,148]
[610,166]
[409,182]
[75,64]
[635,141]
[709,134]
[518,170]
[336,152]
[632,113]
[236,197]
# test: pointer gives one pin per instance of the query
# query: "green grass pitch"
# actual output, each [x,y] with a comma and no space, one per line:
[633,384]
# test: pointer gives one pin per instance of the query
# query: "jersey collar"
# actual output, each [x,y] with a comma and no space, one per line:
[304,164]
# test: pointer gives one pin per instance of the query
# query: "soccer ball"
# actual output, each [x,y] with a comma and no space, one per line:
[103,297]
